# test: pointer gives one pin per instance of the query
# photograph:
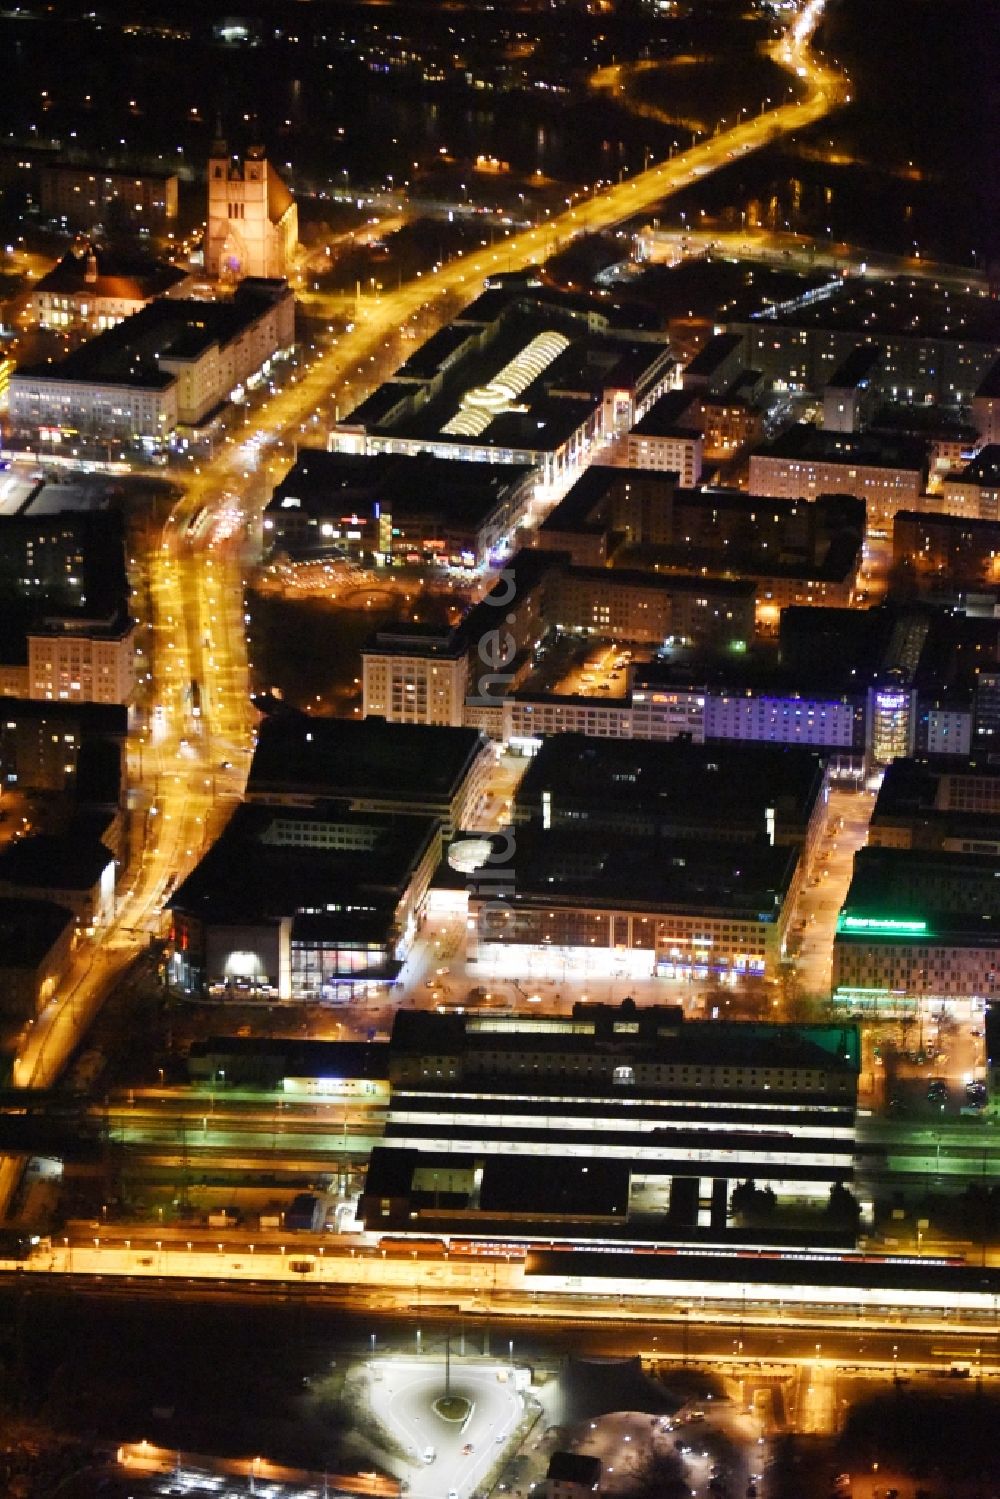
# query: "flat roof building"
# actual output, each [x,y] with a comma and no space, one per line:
[174,363]
[387,507]
[616,1123]
[519,377]
[889,473]
[317,904]
[918,927]
[369,765]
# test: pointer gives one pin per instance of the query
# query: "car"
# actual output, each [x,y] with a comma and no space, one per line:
[452,1494]
[500,1440]
[429,1454]
[468,1449]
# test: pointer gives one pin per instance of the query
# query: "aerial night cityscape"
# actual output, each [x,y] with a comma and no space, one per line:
[500,749]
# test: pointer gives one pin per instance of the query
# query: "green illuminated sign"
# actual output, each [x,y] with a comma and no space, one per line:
[882,926]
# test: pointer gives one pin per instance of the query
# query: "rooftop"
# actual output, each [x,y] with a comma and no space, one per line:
[101,271]
[857,368]
[595,867]
[989,386]
[724,785]
[167,329]
[984,468]
[345,758]
[868,449]
[50,862]
[715,352]
[402,484]
[28,931]
[345,872]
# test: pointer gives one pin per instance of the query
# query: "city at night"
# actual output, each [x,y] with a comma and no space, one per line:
[499,749]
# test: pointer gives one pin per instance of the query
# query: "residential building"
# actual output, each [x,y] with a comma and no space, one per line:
[659,441]
[175,363]
[73,871]
[36,940]
[974,492]
[890,474]
[985,406]
[88,197]
[851,394]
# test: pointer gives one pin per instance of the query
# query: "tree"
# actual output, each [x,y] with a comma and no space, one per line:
[843,1208]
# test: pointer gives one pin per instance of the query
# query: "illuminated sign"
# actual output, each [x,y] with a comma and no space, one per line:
[882,926]
[892,702]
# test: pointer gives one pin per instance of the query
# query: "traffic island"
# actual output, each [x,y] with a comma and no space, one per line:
[453,1408]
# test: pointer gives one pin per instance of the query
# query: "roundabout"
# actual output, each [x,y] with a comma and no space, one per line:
[453,1425]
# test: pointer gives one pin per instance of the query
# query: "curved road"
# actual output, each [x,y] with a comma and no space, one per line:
[196,585]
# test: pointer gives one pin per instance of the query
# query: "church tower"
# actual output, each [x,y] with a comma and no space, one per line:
[252,225]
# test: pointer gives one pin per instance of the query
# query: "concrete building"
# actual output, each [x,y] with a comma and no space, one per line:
[75,872]
[888,474]
[89,197]
[419,675]
[974,492]
[176,363]
[369,765]
[319,905]
[918,928]
[94,288]
[948,806]
[82,662]
[617,1123]
[986,407]
[946,553]
[660,442]
[851,394]
[795,353]
[794,551]
[519,377]
[253,220]
[36,940]
[41,742]
[714,368]
[389,508]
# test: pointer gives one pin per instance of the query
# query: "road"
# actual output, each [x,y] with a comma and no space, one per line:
[196,584]
[402,1393]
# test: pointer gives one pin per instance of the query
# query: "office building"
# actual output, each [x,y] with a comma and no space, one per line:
[369,765]
[941,805]
[253,220]
[316,905]
[176,363]
[918,928]
[93,288]
[616,1123]
[89,197]
[387,508]
[889,474]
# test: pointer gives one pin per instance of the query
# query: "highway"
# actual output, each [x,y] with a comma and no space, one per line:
[196,583]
